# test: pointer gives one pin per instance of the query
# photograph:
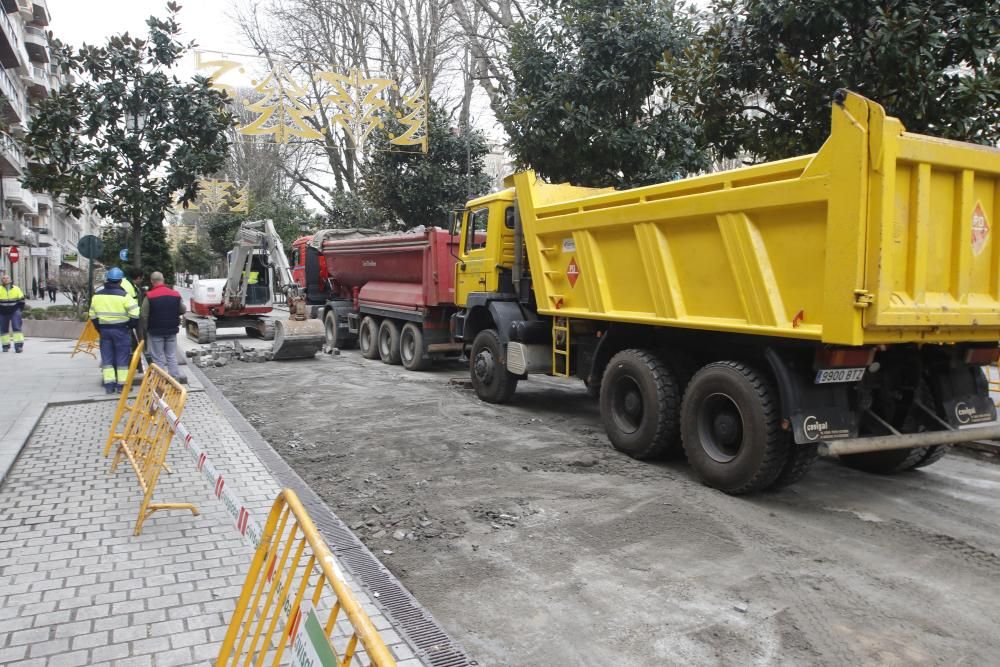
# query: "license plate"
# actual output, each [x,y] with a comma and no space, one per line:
[828,375]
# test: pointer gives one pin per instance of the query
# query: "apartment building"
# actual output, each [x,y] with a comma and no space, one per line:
[45,235]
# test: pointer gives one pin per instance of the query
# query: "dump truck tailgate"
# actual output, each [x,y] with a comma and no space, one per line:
[934,259]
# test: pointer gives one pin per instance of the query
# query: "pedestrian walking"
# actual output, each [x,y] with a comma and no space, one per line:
[11,305]
[114,313]
[34,288]
[159,317]
[52,291]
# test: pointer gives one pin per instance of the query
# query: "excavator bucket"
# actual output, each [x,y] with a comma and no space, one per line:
[297,339]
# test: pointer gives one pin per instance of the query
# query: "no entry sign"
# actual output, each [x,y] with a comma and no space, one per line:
[14,254]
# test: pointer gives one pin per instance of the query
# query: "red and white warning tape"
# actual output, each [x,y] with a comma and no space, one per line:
[250,529]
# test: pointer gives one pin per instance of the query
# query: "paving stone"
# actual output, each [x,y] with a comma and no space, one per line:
[83,589]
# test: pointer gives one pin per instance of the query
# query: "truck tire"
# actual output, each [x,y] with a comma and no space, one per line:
[368,337]
[488,368]
[800,459]
[411,348]
[933,455]
[640,404]
[388,342]
[335,336]
[731,428]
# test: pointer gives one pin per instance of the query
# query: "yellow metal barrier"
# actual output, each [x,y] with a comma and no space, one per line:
[293,583]
[123,404]
[88,341]
[146,438]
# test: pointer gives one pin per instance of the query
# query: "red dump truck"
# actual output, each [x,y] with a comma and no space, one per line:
[391,295]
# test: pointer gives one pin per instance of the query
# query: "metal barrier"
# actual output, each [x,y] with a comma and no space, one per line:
[88,341]
[123,405]
[293,583]
[146,438]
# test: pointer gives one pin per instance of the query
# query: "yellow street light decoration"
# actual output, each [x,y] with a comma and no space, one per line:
[415,121]
[220,68]
[357,99]
[214,195]
[358,102]
[242,203]
[282,111]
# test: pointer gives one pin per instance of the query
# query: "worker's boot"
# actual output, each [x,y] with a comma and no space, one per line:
[18,348]
[109,389]
[6,348]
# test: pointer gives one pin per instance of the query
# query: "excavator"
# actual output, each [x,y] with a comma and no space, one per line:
[244,299]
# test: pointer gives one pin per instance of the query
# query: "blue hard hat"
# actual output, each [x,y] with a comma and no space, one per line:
[115,274]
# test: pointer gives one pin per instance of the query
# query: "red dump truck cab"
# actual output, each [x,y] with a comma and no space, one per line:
[393,295]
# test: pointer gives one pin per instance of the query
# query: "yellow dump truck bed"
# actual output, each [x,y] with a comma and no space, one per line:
[882,236]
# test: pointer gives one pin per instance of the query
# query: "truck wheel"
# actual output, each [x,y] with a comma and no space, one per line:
[640,404]
[388,342]
[731,428]
[933,455]
[335,336]
[411,348]
[368,337]
[800,460]
[488,367]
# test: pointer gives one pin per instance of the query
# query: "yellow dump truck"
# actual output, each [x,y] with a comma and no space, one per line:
[841,302]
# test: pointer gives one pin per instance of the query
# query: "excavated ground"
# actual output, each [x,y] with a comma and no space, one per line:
[535,543]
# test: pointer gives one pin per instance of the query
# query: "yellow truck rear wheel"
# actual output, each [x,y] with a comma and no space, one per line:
[731,428]
[640,405]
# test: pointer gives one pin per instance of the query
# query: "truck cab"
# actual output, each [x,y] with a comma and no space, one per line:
[486,248]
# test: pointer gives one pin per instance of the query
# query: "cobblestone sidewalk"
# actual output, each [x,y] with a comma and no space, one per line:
[77,588]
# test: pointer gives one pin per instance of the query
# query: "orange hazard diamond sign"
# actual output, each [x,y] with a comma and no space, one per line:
[572,272]
[980,228]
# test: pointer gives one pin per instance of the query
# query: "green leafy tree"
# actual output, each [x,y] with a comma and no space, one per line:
[349,210]
[587,104]
[419,189]
[194,257]
[127,134]
[762,74]
[290,216]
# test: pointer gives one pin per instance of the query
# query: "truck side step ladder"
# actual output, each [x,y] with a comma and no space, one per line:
[560,346]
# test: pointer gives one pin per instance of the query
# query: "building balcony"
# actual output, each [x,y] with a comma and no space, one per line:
[19,198]
[43,235]
[38,82]
[12,161]
[10,43]
[37,43]
[40,12]
[12,105]
[27,10]
[44,200]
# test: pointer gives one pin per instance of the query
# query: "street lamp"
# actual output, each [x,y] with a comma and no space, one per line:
[135,122]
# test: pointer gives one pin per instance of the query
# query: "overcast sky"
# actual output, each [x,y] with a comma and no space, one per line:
[204,21]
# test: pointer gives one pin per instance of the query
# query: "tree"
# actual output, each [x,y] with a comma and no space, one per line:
[586,104]
[423,189]
[193,257]
[289,216]
[762,74]
[126,134]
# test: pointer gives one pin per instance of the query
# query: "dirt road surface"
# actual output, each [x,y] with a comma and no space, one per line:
[535,543]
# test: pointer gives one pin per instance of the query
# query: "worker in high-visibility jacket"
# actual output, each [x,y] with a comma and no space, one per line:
[11,305]
[114,313]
